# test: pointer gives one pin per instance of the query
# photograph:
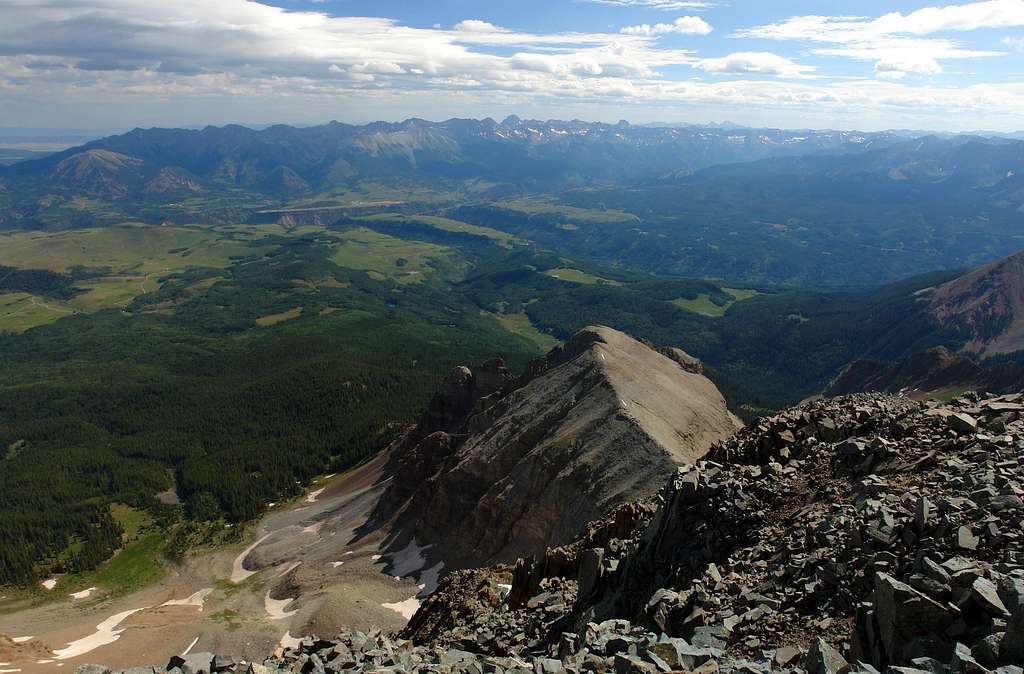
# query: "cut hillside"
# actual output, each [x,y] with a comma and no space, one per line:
[499,468]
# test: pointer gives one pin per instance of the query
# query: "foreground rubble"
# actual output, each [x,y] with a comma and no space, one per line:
[860,534]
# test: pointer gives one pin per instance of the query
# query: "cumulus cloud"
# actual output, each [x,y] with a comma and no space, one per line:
[898,44]
[478,26]
[971,16]
[687,25]
[251,41]
[753,63]
[129,58]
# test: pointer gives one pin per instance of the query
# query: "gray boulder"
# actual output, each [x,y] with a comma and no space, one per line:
[823,659]
[902,615]
[193,663]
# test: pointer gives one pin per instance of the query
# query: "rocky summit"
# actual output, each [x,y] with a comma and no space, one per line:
[500,468]
[866,533]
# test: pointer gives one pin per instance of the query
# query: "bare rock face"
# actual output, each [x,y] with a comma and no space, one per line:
[497,470]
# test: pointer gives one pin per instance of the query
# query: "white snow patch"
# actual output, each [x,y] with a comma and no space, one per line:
[375,557]
[238,570]
[311,498]
[288,569]
[196,599]
[505,589]
[190,646]
[83,594]
[21,640]
[406,608]
[106,633]
[288,641]
[336,564]
[346,554]
[49,584]
[329,476]
[7,671]
[275,607]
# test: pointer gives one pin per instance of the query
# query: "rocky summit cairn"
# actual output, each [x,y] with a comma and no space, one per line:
[499,468]
[861,534]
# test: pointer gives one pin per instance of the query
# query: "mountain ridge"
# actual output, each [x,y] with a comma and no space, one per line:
[497,469]
[550,147]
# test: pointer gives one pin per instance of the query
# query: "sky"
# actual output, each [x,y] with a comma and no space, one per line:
[781,63]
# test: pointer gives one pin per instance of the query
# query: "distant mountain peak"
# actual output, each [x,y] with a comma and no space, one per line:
[97,171]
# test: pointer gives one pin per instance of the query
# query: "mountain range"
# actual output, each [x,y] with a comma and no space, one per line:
[515,150]
[751,206]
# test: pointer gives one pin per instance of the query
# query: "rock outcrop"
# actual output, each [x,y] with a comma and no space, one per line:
[499,469]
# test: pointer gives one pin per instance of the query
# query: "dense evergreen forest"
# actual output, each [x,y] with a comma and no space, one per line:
[95,408]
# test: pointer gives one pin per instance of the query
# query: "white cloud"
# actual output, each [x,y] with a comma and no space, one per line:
[895,42]
[251,41]
[687,25]
[1014,43]
[195,61]
[759,63]
[478,26]
[666,5]
[901,66]
[971,16]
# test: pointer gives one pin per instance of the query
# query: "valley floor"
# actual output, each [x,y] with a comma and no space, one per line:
[303,573]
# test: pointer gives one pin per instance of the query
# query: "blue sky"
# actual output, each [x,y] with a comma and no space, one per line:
[837,64]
